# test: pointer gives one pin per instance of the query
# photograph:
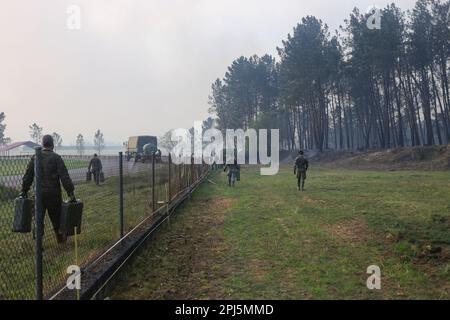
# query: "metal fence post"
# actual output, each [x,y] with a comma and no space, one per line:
[170,177]
[153,184]
[39,222]
[121,193]
[180,187]
[185,175]
[193,178]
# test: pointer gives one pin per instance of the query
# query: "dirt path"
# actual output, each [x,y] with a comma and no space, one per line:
[185,260]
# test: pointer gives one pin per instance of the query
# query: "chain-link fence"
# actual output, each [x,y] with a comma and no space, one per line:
[127,193]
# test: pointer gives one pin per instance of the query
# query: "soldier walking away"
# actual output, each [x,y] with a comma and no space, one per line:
[96,167]
[54,172]
[300,167]
[233,172]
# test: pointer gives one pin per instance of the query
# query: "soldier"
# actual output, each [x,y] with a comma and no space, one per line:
[54,171]
[95,167]
[300,167]
[233,172]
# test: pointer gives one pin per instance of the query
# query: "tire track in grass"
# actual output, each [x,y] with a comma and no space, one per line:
[185,260]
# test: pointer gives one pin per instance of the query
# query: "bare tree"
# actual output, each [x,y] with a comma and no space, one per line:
[99,141]
[80,144]
[3,140]
[36,133]
[166,142]
[57,140]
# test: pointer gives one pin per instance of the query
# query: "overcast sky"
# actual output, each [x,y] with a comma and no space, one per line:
[135,66]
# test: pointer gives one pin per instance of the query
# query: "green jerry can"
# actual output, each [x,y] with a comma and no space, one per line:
[71,214]
[23,212]
[102,177]
[88,176]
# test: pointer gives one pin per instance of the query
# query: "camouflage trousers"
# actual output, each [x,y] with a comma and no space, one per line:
[301,177]
[51,203]
[96,174]
[232,178]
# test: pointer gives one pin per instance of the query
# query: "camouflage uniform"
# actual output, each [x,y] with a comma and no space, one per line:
[300,167]
[233,173]
[54,172]
[95,166]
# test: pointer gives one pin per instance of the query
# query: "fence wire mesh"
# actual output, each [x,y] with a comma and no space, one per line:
[16,249]
[142,194]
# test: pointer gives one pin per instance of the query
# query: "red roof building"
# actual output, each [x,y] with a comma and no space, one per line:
[18,148]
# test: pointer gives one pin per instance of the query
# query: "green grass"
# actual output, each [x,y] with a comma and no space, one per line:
[100,228]
[264,239]
[15,167]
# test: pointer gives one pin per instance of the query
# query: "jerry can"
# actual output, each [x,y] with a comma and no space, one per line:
[88,176]
[102,176]
[23,212]
[71,214]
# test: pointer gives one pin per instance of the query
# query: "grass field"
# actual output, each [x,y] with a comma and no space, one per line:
[14,167]
[264,239]
[100,228]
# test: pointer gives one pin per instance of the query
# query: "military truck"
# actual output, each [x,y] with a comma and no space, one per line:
[142,148]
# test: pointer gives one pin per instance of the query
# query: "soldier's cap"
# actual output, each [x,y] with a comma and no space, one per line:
[300,152]
[47,141]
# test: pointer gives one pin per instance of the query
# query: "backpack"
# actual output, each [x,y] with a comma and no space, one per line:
[301,164]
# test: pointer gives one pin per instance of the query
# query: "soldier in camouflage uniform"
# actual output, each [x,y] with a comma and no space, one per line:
[54,172]
[95,167]
[233,172]
[300,167]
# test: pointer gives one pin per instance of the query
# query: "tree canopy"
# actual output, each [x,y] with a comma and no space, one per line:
[355,88]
